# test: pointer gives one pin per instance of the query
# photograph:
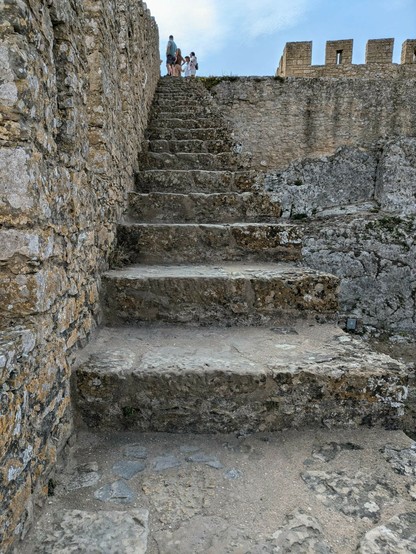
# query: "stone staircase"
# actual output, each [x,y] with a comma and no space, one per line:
[214,326]
[212,322]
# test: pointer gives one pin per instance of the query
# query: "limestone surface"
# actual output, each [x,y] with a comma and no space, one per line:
[194,507]
[104,532]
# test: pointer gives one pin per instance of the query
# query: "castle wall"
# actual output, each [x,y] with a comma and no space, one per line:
[278,121]
[76,81]
[297,58]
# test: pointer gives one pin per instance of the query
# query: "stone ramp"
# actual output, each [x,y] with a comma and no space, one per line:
[317,491]
[181,379]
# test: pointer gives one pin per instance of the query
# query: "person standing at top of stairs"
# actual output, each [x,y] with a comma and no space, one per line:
[170,55]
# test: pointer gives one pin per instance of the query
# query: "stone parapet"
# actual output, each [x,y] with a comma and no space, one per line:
[297,59]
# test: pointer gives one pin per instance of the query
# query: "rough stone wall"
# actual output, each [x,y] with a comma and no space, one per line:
[282,120]
[358,213]
[77,78]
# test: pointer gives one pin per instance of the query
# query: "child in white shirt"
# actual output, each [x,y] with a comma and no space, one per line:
[193,64]
[187,64]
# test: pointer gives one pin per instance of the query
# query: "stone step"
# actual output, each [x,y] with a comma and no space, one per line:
[166,94]
[224,294]
[192,146]
[168,97]
[191,160]
[155,243]
[183,113]
[185,104]
[202,208]
[173,122]
[181,379]
[213,133]
[316,491]
[196,180]
[179,84]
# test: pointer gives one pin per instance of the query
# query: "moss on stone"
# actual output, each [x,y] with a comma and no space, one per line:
[211,82]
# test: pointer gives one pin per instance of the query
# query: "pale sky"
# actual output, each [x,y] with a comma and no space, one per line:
[247,37]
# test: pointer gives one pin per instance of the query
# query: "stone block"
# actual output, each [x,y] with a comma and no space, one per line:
[379,51]
[408,55]
[338,52]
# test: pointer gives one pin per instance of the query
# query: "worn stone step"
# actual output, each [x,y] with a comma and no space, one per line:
[164,93]
[236,380]
[224,294]
[207,243]
[173,122]
[202,208]
[184,104]
[213,133]
[183,114]
[168,98]
[191,145]
[190,160]
[195,180]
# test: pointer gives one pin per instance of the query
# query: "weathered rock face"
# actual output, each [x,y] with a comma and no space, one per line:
[396,183]
[358,216]
[375,258]
[76,81]
[282,120]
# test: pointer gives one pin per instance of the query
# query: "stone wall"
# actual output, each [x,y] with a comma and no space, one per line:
[279,120]
[77,78]
[296,60]
[358,213]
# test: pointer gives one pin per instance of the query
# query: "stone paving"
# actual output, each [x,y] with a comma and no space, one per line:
[316,491]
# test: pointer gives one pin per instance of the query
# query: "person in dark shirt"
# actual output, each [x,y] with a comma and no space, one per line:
[170,55]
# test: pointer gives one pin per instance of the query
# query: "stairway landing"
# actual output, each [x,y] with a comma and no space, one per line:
[321,491]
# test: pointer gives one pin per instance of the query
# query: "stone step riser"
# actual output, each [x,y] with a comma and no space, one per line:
[215,133]
[167,94]
[184,105]
[202,208]
[157,244]
[212,300]
[215,401]
[191,146]
[188,160]
[166,98]
[184,114]
[177,123]
[194,181]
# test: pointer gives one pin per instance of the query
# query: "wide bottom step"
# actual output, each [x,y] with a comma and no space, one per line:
[238,379]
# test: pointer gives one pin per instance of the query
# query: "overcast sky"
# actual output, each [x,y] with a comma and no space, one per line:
[247,37]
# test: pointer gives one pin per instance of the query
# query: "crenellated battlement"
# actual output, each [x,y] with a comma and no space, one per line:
[296,60]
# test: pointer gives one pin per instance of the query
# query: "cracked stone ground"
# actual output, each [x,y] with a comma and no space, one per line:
[317,491]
